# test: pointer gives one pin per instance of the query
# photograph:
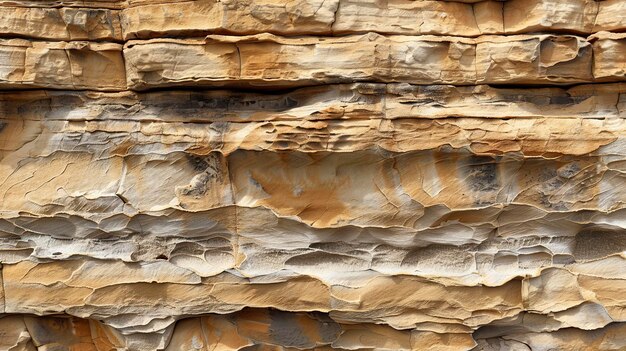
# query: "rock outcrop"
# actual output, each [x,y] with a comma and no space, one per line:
[312,175]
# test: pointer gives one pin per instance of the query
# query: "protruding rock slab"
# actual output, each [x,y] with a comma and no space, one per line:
[160,293]
[266,61]
[61,65]
[64,23]
[269,61]
[104,20]
[150,19]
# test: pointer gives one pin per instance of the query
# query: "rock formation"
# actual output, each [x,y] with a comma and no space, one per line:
[312,175]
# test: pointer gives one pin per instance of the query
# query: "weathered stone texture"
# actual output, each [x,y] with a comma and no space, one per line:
[65,23]
[266,60]
[75,65]
[150,19]
[312,175]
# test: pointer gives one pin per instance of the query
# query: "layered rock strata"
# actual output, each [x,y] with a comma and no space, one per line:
[144,19]
[347,174]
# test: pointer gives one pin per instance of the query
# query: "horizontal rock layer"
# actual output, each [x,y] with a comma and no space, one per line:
[269,61]
[64,23]
[276,330]
[102,20]
[340,102]
[345,118]
[61,65]
[266,60]
[312,175]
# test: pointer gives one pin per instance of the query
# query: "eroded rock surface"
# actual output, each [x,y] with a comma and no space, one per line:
[312,175]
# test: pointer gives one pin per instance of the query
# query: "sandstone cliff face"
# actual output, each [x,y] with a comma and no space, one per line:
[312,175]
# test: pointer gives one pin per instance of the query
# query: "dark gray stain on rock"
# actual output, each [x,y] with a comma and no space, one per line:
[482,173]
[540,99]
[284,329]
[211,163]
[236,102]
[329,330]
[595,243]
[287,328]
[198,163]
[47,330]
[210,172]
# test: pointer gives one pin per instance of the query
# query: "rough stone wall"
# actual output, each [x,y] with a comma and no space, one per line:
[312,174]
